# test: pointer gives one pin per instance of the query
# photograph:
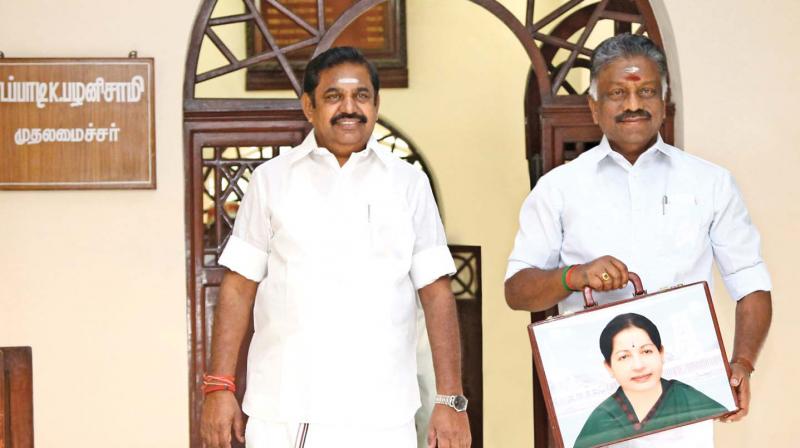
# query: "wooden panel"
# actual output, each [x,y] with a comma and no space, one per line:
[220,135]
[3,397]
[77,124]
[379,33]
[466,286]
[16,397]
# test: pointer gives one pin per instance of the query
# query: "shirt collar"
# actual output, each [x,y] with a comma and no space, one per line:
[309,145]
[604,150]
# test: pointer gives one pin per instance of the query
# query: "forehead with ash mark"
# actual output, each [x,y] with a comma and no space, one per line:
[347,81]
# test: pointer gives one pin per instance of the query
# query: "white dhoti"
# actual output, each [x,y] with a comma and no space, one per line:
[261,434]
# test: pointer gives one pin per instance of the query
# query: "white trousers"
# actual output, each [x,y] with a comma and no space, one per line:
[261,434]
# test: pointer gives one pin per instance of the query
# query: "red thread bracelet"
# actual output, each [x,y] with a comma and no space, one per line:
[214,383]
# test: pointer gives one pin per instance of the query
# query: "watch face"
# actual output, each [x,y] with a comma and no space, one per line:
[460,403]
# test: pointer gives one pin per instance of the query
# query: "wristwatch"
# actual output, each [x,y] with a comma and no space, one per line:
[457,402]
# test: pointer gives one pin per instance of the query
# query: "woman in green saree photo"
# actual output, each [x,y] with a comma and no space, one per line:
[644,402]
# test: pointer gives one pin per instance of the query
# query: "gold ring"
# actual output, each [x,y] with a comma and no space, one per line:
[605,276]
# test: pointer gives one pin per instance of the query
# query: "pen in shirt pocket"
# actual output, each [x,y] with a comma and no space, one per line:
[369,214]
[664,202]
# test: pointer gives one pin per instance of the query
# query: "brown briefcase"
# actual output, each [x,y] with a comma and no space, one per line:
[634,367]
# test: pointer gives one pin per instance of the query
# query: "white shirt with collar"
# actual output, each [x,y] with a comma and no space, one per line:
[667,217]
[339,252]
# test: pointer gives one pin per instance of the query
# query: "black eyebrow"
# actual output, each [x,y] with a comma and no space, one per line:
[338,90]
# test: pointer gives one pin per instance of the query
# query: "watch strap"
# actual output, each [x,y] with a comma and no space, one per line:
[451,401]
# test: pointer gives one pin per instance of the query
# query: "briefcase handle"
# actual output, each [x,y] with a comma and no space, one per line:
[638,290]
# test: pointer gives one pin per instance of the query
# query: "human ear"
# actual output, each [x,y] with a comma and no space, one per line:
[593,107]
[308,107]
[377,101]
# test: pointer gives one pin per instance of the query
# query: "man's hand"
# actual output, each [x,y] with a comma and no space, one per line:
[603,274]
[221,413]
[534,289]
[753,318]
[448,428]
[740,380]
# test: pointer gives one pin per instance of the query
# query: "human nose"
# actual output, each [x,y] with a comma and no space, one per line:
[632,101]
[348,104]
[637,362]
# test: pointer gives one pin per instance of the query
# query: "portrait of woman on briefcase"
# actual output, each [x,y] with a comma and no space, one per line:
[630,369]
[645,401]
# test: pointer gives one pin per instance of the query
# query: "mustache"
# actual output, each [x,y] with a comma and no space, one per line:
[628,114]
[346,116]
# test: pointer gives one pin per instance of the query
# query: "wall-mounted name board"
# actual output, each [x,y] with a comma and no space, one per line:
[77,124]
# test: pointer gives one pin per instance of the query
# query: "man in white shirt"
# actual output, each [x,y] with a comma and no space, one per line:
[635,203]
[331,242]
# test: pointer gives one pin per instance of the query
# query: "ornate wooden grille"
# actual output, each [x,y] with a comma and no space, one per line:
[226,174]
[319,38]
[392,139]
[467,280]
[466,285]
[564,33]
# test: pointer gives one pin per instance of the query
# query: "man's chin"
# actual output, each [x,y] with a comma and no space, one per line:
[352,141]
[630,139]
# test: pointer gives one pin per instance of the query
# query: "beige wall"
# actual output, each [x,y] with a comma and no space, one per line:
[95,281]
[737,75]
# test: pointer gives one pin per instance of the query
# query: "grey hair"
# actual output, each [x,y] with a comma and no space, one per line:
[626,46]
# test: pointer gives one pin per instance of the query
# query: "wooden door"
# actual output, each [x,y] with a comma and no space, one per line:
[16,397]
[222,157]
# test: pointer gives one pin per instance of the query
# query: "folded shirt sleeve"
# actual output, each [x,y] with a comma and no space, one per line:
[244,258]
[430,264]
[736,242]
[247,249]
[540,235]
[431,258]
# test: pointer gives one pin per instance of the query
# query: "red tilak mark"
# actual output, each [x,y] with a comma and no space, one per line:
[633,78]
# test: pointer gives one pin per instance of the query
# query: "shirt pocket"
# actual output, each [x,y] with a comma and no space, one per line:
[683,226]
[391,229]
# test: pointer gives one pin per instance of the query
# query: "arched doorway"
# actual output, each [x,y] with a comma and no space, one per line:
[558,126]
